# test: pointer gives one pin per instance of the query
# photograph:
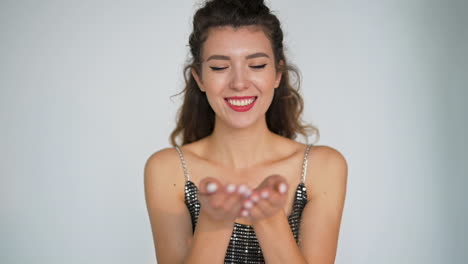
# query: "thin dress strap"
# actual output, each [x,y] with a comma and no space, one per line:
[304,164]
[184,164]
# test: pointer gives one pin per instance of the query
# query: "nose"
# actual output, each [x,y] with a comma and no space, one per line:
[239,79]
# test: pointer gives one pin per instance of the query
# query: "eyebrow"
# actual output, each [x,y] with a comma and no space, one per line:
[251,56]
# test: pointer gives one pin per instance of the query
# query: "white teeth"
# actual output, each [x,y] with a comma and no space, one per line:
[243,102]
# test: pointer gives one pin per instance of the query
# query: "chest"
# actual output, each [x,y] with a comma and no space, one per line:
[290,169]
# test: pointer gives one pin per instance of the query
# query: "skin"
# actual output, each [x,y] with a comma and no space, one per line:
[240,62]
[242,151]
[238,55]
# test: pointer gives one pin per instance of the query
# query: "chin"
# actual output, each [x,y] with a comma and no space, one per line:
[242,123]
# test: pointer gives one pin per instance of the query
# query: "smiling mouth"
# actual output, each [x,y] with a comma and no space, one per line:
[241,104]
[241,101]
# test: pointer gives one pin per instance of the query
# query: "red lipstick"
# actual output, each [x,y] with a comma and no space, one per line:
[241,108]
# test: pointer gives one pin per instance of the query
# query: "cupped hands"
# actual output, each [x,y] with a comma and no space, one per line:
[226,202]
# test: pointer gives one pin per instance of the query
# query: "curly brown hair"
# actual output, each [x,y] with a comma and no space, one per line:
[196,118]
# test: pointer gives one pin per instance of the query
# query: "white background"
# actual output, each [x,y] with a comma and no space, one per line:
[85,92]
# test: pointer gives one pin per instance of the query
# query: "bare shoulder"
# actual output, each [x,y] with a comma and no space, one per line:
[162,156]
[166,159]
[164,193]
[327,170]
[326,155]
[163,172]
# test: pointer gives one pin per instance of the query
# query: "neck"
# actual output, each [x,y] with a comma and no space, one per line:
[241,148]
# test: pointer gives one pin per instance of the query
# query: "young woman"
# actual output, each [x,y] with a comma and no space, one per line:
[240,189]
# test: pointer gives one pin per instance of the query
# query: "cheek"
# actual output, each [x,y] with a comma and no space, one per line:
[213,92]
[214,83]
[266,81]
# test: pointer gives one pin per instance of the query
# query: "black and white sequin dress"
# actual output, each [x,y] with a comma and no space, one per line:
[243,246]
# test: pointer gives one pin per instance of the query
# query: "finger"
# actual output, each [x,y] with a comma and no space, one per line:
[233,201]
[244,190]
[255,197]
[247,208]
[209,186]
[262,209]
[211,193]
[270,181]
[277,183]
[249,199]
[281,187]
[212,200]
[230,188]
[272,197]
[244,214]
[256,212]
[265,193]
[249,204]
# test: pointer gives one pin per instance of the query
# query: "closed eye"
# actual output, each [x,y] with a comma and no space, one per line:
[218,68]
[258,66]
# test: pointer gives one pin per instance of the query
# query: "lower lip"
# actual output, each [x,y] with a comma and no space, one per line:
[244,108]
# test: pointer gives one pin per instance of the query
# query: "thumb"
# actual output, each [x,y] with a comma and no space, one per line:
[209,185]
[278,183]
[281,187]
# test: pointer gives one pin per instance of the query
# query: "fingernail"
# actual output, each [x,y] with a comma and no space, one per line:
[247,192]
[242,188]
[248,204]
[245,213]
[255,198]
[264,194]
[211,187]
[231,188]
[282,188]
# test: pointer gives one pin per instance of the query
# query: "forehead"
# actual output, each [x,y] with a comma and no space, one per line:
[240,41]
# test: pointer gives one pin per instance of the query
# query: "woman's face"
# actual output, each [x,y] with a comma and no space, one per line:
[238,75]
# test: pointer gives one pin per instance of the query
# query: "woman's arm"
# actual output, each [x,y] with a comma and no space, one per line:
[170,219]
[321,218]
[210,241]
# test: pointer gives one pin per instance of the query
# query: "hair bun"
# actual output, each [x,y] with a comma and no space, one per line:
[255,3]
[250,6]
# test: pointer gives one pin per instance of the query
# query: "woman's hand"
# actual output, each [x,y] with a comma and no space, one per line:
[266,200]
[222,202]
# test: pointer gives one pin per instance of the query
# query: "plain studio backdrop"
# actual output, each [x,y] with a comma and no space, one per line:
[85,100]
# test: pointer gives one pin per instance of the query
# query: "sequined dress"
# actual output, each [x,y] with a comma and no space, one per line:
[243,246]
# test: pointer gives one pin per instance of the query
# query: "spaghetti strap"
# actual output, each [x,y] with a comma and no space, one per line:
[184,164]
[305,162]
